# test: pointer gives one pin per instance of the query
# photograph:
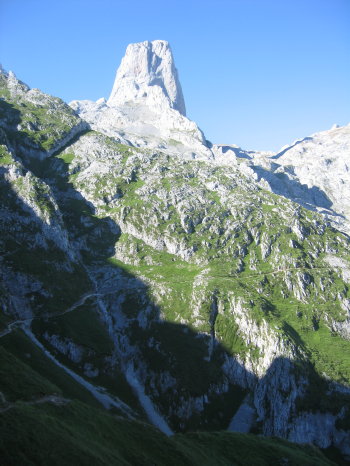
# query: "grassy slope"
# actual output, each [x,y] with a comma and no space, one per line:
[43,119]
[76,434]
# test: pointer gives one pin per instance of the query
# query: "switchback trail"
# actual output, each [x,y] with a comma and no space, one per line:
[80,302]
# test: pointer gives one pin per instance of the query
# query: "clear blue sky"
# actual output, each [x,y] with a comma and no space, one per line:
[257,73]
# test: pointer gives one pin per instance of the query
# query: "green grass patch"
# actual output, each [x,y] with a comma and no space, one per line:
[5,156]
[66,157]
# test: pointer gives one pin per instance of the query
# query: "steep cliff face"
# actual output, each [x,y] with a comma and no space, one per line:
[146,107]
[183,285]
[147,75]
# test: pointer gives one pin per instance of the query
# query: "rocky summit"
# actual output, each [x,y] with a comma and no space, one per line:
[165,300]
[146,105]
[147,76]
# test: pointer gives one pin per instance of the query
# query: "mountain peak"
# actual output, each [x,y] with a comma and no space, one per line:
[147,75]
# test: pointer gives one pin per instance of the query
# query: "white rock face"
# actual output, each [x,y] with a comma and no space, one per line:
[314,171]
[147,75]
[146,107]
[322,162]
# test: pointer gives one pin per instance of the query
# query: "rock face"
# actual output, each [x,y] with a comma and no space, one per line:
[321,163]
[147,76]
[146,107]
[313,171]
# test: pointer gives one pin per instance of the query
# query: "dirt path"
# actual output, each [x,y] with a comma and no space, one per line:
[239,275]
[55,399]
[21,322]
[80,302]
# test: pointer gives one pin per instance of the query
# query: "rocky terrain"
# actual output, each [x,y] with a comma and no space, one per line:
[156,278]
[312,171]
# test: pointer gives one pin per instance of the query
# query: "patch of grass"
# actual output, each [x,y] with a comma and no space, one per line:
[66,157]
[5,157]
[42,123]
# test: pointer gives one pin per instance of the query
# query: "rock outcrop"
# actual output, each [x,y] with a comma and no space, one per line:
[147,76]
[146,106]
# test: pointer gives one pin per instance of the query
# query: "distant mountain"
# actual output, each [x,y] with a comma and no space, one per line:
[149,277]
[314,172]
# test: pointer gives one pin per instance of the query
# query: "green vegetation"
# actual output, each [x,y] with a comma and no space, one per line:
[264,296]
[75,434]
[5,156]
[50,268]
[66,157]
[34,123]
